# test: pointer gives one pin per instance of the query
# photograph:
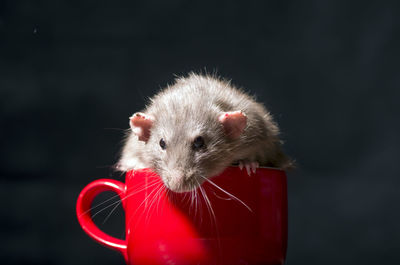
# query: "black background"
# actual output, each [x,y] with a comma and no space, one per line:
[71,73]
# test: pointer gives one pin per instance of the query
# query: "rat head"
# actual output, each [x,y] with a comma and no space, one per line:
[188,148]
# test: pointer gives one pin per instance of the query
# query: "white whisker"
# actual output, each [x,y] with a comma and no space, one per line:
[112,210]
[234,197]
[214,218]
[113,197]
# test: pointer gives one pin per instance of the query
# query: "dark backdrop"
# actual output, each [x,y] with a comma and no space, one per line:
[71,73]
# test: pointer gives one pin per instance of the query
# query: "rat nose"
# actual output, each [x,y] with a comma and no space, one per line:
[175,180]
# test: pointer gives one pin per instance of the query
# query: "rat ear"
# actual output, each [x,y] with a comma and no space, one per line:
[141,124]
[233,122]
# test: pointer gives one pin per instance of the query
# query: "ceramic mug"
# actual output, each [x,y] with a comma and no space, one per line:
[232,219]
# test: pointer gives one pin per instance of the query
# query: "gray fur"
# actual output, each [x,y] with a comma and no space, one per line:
[190,108]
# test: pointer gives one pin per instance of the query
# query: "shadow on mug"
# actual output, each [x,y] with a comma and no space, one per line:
[231,219]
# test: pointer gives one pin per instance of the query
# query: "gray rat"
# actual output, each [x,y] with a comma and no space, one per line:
[196,128]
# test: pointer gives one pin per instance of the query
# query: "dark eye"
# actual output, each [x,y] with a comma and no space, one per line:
[198,143]
[162,144]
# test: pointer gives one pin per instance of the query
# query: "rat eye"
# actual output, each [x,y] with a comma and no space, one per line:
[162,144]
[198,143]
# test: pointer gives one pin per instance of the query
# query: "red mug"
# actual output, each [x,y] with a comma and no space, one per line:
[232,219]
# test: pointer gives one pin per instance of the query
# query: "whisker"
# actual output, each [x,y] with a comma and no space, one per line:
[117,202]
[154,199]
[113,197]
[195,202]
[145,202]
[211,210]
[100,204]
[222,198]
[234,197]
[198,198]
[112,210]
[105,208]
[192,199]
[209,207]
[159,197]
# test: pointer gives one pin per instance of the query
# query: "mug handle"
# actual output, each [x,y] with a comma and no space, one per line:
[83,212]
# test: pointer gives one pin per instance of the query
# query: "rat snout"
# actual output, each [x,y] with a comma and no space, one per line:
[173,180]
[179,181]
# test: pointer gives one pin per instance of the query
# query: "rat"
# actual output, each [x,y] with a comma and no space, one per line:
[194,129]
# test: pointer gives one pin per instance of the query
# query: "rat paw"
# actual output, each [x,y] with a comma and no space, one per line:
[251,167]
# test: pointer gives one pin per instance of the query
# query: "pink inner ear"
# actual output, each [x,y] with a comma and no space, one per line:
[141,124]
[233,122]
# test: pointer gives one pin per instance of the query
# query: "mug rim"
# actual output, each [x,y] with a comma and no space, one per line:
[262,167]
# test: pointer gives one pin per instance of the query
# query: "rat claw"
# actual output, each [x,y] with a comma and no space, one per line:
[251,167]
[241,165]
[248,169]
[254,166]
